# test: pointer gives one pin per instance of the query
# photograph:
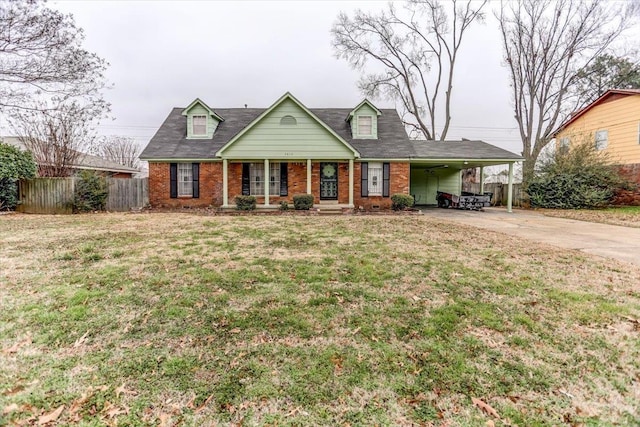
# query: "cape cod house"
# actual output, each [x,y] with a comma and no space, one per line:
[352,157]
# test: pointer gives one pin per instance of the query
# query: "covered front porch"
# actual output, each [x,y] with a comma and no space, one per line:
[427,177]
[272,181]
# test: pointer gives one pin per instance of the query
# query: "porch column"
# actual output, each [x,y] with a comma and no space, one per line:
[225,183]
[510,188]
[350,183]
[481,179]
[308,176]
[267,180]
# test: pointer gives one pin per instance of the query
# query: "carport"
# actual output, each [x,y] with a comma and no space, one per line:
[438,166]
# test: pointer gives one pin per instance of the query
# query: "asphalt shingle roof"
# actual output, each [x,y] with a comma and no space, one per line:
[170,141]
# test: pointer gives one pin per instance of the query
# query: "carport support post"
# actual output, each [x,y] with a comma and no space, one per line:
[267,180]
[481,179]
[308,176]
[510,188]
[350,183]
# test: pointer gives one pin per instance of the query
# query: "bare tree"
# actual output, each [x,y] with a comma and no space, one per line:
[546,43]
[41,57]
[57,137]
[417,48]
[119,149]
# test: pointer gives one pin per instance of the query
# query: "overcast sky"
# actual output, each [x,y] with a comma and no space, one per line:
[164,54]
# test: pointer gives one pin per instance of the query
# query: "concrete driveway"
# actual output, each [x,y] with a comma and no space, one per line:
[609,241]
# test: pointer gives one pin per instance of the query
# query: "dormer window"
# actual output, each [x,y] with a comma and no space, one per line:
[200,125]
[364,125]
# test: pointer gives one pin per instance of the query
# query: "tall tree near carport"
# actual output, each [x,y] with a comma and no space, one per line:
[417,49]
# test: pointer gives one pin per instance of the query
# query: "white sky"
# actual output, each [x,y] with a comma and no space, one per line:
[163,54]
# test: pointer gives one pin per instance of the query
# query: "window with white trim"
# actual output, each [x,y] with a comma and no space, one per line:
[365,125]
[257,179]
[375,179]
[199,125]
[602,139]
[638,132]
[185,179]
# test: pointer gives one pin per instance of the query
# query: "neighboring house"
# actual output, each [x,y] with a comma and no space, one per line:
[612,123]
[351,157]
[87,162]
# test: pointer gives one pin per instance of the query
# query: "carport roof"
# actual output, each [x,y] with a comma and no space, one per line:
[461,150]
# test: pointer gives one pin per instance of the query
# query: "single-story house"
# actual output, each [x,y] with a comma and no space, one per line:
[86,161]
[351,157]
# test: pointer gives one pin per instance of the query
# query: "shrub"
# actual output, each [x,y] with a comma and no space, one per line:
[14,166]
[91,192]
[401,201]
[578,178]
[303,202]
[246,203]
[284,205]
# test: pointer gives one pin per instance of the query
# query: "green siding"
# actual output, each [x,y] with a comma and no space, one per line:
[308,139]
[425,182]
[365,110]
[212,123]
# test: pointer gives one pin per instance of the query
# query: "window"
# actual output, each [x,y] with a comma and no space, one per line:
[602,138]
[199,125]
[256,179]
[638,132]
[375,179]
[185,179]
[563,144]
[364,125]
[288,121]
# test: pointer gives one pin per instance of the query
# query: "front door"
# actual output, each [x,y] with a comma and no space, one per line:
[328,181]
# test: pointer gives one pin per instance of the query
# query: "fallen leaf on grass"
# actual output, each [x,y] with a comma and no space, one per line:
[17,346]
[81,340]
[111,410]
[165,420]
[51,416]
[485,407]
[204,404]
[11,408]
[123,390]
[12,391]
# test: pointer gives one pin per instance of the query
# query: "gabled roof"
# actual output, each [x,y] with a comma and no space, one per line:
[83,161]
[284,97]
[609,95]
[364,101]
[206,107]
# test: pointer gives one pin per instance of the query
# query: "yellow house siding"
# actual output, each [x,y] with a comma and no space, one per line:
[621,118]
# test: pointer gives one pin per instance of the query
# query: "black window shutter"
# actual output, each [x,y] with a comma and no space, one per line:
[386,175]
[173,180]
[364,179]
[284,179]
[246,187]
[195,169]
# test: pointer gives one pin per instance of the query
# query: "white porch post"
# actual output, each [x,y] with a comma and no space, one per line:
[350,183]
[225,183]
[308,176]
[267,180]
[510,188]
[481,179]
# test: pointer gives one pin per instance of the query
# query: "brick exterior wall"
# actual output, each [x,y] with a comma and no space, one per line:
[398,183]
[211,185]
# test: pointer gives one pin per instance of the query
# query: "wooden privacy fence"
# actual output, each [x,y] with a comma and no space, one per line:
[54,195]
[499,191]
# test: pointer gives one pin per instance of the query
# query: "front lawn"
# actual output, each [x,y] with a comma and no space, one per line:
[178,319]
[626,216]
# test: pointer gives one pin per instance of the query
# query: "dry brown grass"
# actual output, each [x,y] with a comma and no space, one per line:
[309,320]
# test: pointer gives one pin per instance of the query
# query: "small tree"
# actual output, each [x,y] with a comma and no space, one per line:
[91,192]
[119,149]
[576,178]
[14,165]
[56,137]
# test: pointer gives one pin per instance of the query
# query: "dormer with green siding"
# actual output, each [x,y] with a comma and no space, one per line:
[364,121]
[202,121]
